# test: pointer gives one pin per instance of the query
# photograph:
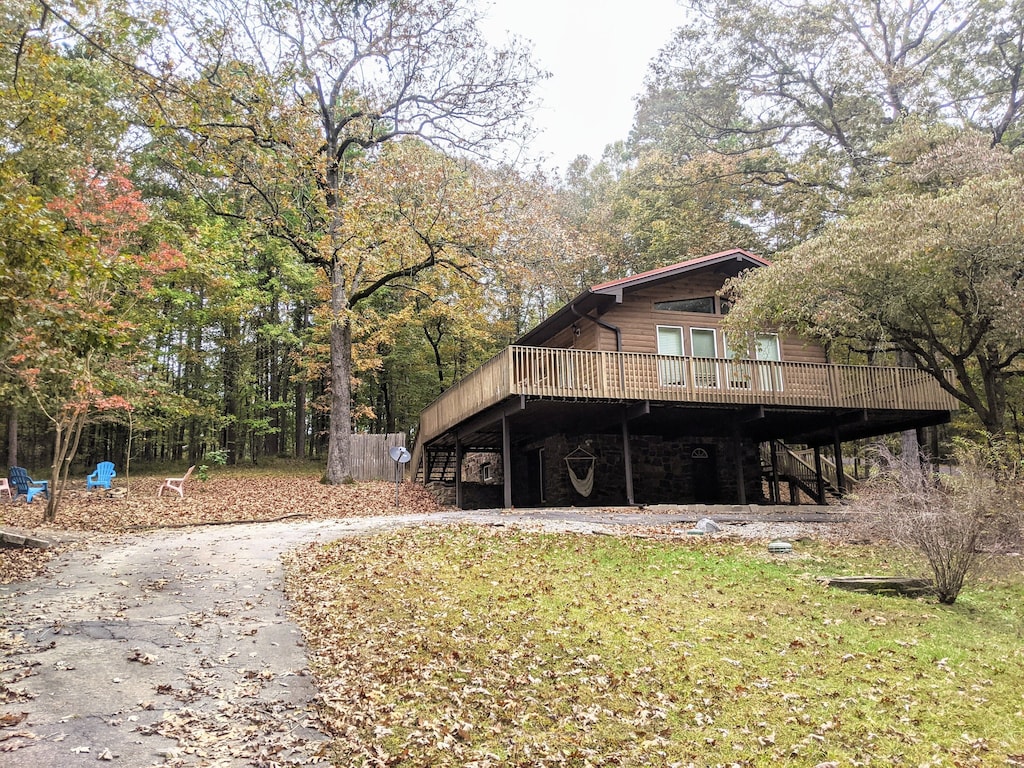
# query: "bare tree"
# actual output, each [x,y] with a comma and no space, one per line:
[953,520]
[279,103]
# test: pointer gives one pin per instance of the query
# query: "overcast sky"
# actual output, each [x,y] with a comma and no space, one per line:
[597,52]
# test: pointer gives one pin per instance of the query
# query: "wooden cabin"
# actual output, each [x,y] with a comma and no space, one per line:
[632,394]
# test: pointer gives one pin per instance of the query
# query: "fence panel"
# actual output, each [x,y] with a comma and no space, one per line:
[370,457]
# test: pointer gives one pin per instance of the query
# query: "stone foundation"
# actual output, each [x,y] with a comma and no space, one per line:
[665,471]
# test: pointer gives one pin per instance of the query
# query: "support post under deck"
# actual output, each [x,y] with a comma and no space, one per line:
[627,460]
[818,475]
[840,474]
[741,483]
[776,491]
[458,471]
[506,459]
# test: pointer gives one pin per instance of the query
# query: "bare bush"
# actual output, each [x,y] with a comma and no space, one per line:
[953,520]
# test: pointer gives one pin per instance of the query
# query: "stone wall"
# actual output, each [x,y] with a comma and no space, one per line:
[665,471]
[609,486]
[483,468]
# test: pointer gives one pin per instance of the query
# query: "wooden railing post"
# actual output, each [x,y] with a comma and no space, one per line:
[576,373]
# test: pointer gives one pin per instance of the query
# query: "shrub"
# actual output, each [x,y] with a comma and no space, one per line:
[952,519]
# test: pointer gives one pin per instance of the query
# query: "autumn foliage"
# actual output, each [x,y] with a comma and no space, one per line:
[221,499]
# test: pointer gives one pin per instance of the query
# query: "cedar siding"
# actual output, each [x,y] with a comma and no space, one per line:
[588,385]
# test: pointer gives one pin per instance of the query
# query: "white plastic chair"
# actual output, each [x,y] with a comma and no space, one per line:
[176,484]
[6,486]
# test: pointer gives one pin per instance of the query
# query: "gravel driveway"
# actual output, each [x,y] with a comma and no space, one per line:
[174,648]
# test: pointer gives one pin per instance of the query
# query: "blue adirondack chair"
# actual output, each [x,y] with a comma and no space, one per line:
[101,477]
[25,485]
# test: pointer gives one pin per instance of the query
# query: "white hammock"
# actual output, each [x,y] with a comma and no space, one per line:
[583,485]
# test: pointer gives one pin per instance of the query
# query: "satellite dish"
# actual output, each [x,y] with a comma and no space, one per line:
[399,454]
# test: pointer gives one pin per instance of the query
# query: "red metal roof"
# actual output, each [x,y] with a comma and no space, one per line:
[683,266]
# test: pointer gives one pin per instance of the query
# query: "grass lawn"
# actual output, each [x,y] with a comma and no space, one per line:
[472,647]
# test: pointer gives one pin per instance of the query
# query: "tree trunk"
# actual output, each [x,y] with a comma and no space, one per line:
[12,436]
[67,434]
[299,325]
[230,441]
[339,459]
[300,419]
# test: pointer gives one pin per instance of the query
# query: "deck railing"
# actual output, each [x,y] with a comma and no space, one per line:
[591,375]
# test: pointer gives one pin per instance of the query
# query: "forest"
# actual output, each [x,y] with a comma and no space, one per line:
[243,230]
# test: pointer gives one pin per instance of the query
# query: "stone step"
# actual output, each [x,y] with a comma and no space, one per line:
[15,539]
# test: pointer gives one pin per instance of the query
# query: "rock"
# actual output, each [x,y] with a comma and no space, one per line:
[12,539]
[707,525]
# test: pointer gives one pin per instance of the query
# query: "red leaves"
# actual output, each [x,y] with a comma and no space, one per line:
[105,207]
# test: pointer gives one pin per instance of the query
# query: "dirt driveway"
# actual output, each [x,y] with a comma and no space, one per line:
[174,648]
[170,648]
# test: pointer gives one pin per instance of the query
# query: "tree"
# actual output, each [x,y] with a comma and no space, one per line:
[286,101]
[834,77]
[931,266]
[796,98]
[499,253]
[56,110]
[76,337]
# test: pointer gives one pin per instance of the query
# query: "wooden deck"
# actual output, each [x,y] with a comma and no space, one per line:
[571,374]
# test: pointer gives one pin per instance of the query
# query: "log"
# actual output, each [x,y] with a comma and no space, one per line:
[883,585]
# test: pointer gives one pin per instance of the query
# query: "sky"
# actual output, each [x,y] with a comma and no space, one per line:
[597,52]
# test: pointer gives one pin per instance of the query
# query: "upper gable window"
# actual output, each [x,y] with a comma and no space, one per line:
[705,304]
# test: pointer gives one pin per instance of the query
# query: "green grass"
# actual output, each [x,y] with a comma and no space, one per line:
[473,647]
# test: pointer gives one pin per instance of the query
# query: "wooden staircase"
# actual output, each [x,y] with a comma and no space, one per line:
[440,465]
[794,469]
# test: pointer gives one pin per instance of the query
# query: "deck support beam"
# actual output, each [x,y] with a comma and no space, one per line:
[459,450]
[484,420]
[506,459]
[741,483]
[627,460]
[818,476]
[837,444]
[776,490]
[630,413]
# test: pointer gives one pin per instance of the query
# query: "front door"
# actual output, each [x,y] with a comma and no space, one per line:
[704,469]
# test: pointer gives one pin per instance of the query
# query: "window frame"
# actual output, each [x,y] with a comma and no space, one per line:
[659,306]
[671,373]
[705,373]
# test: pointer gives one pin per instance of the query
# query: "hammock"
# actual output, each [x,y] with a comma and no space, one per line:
[583,485]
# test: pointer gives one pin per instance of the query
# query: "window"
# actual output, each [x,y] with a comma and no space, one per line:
[766,348]
[670,343]
[704,347]
[705,304]
[740,373]
[763,347]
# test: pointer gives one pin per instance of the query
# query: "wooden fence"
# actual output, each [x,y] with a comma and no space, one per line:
[370,458]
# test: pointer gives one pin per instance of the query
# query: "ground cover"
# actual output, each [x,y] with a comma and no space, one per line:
[484,647]
[231,494]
